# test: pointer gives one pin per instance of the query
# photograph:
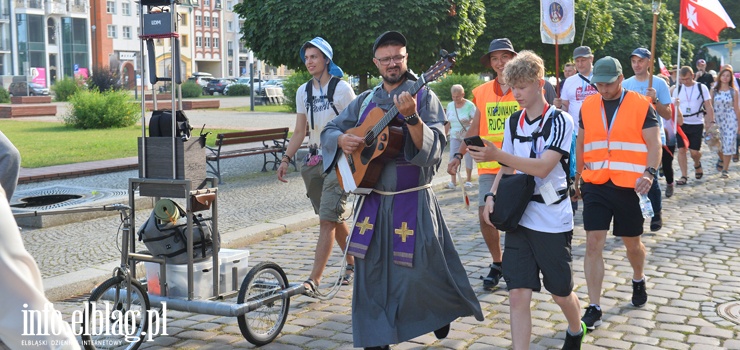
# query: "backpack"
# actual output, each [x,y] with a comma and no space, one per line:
[160,124]
[333,81]
[702,109]
[168,240]
[566,162]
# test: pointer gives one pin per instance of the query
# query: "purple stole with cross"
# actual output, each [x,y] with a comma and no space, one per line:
[405,210]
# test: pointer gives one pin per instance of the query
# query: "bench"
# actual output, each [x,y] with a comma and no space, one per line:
[201,104]
[12,111]
[273,142]
[274,95]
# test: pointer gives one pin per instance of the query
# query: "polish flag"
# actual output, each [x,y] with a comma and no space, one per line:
[706,17]
[663,69]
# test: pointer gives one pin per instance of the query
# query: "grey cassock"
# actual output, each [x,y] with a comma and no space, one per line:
[393,303]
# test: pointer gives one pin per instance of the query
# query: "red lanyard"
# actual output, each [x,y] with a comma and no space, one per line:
[524,115]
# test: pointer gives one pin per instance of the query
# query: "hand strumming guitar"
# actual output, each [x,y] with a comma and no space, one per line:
[349,142]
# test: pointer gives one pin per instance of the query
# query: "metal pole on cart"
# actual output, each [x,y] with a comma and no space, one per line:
[173,32]
[143,95]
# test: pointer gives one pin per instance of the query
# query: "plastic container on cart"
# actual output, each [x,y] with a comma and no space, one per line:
[177,279]
[230,259]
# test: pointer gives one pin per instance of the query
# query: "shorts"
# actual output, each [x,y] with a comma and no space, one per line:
[601,203]
[693,133]
[454,146]
[485,181]
[528,252]
[327,197]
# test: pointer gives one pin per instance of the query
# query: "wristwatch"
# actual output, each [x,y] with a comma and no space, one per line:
[412,119]
[459,156]
[652,171]
[489,194]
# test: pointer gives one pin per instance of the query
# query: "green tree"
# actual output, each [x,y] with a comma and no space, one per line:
[276,29]
[519,21]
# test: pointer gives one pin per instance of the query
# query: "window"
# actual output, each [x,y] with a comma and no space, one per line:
[184,42]
[183,19]
[216,43]
[208,42]
[229,5]
[197,20]
[215,22]
[126,9]
[126,32]
[198,41]
[206,2]
[230,25]
[206,21]
[112,31]
[110,7]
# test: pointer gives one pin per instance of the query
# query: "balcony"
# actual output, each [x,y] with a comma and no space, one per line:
[32,4]
[56,7]
[77,6]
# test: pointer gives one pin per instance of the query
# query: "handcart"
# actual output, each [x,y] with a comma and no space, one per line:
[126,310]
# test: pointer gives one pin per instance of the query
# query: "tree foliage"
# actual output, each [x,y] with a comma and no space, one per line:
[276,29]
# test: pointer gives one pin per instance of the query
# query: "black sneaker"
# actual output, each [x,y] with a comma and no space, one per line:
[656,223]
[573,342]
[639,294]
[491,281]
[592,318]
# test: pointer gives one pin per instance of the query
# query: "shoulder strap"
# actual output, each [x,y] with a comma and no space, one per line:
[309,99]
[586,80]
[330,92]
[546,129]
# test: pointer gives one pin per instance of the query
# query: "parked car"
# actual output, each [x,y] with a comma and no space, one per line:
[21,88]
[201,78]
[270,83]
[217,85]
[245,81]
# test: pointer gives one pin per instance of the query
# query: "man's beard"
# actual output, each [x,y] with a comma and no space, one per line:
[394,79]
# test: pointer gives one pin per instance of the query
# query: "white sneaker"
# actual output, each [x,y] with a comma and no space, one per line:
[450,186]
[468,185]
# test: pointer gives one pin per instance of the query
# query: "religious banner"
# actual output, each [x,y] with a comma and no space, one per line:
[557,21]
[706,17]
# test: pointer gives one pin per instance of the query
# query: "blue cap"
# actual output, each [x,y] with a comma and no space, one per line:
[325,48]
[641,52]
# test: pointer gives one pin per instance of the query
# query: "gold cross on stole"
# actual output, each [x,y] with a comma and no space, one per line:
[365,225]
[404,231]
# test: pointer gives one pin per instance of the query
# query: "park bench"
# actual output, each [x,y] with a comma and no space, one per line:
[25,110]
[274,95]
[267,142]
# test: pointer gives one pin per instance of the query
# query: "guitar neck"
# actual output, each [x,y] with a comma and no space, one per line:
[388,117]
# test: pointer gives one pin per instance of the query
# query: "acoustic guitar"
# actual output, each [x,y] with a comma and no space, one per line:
[381,130]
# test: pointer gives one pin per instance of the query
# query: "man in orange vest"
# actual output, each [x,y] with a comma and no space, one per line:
[618,150]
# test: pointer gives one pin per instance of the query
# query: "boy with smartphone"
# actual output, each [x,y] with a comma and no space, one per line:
[536,140]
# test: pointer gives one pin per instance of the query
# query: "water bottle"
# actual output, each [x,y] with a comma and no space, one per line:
[646,207]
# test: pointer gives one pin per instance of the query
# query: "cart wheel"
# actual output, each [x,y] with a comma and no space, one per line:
[125,320]
[266,322]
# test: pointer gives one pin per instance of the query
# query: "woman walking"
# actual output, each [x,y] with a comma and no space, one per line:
[724,97]
[460,113]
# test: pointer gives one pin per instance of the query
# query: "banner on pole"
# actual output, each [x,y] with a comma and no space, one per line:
[557,21]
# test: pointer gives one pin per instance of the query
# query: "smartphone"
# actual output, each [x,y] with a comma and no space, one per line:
[474,141]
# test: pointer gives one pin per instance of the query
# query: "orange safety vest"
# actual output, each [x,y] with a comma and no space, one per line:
[622,155]
[494,107]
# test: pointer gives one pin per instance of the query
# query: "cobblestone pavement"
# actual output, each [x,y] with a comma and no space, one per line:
[692,268]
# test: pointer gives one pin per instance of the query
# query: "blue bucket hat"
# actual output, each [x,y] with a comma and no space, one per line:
[324,47]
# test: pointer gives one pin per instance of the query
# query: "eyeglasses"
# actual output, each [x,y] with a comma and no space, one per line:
[387,60]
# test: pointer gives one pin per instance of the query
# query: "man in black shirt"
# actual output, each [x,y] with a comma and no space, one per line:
[701,75]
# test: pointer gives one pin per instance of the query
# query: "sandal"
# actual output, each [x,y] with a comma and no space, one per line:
[719,165]
[682,181]
[348,276]
[698,174]
[736,157]
[311,288]
[725,175]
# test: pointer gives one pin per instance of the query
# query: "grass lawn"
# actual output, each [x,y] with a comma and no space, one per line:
[44,144]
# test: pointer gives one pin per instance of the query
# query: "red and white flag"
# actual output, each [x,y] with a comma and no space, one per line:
[663,69]
[706,17]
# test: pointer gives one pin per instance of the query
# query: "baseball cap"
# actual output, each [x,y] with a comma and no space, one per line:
[606,70]
[582,51]
[326,49]
[641,52]
[497,45]
[388,36]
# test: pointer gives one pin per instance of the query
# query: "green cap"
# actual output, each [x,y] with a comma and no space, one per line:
[606,70]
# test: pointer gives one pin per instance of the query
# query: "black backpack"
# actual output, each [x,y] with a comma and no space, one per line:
[329,95]
[544,133]
[702,109]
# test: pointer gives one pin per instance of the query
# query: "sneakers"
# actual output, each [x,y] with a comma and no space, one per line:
[468,184]
[656,223]
[639,294]
[669,191]
[592,318]
[493,277]
[573,342]
[450,186]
